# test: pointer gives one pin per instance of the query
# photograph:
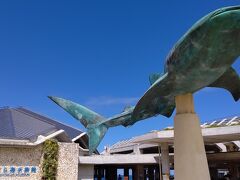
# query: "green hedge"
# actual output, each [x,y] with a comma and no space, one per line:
[50,160]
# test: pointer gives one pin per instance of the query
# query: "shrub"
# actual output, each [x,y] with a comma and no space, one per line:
[50,160]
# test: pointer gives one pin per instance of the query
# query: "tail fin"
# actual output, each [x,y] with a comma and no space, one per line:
[96,129]
[95,134]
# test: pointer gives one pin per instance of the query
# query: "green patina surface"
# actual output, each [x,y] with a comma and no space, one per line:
[201,58]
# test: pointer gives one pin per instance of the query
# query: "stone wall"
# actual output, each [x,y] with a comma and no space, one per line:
[20,163]
[29,161]
[68,161]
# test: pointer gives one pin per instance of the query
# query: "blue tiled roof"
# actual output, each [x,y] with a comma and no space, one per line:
[20,123]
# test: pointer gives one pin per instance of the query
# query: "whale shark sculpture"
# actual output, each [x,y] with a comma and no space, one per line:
[201,58]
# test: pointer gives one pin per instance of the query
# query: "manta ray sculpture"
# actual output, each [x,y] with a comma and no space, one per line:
[201,58]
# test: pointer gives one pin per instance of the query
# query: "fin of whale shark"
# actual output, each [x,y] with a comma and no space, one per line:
[154,77]
[96,129]
[230,81]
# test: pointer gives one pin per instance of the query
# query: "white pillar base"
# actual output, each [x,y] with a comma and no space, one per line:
[190,161]
[165,161]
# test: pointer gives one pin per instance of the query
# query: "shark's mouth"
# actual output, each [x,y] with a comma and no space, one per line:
[225,10]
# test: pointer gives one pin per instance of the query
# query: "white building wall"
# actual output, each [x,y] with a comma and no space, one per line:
[85,172]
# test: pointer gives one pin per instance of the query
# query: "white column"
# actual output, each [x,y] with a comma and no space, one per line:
[165,161]
[190,161]
[136,149]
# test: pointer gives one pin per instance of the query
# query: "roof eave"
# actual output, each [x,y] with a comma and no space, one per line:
[41,139]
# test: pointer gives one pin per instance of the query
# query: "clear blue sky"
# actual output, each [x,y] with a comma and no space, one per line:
[97,53]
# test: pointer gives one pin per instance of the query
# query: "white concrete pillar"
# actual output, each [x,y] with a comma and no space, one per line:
[190,161]
[136,149]
[165,161]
